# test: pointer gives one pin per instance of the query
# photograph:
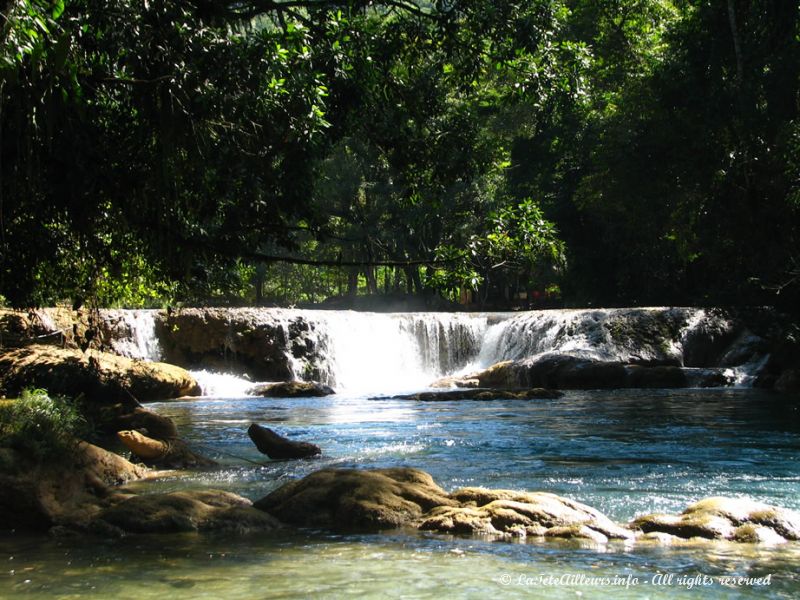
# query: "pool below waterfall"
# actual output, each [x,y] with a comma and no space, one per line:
[625,453]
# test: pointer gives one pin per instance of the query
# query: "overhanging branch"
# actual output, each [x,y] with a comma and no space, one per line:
[255,256]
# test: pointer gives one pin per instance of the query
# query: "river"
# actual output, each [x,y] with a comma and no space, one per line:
[625,452]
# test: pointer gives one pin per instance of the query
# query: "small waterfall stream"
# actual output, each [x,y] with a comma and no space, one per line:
[133,333]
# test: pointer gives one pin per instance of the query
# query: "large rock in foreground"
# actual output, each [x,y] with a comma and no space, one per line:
[186,511]
[404,497]
[356,499]
[39,496]
[99,376]
[735,519]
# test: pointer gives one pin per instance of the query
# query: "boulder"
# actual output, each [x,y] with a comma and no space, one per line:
[735,519]
[292,389]
[506,374]
[276,446]
[560,371]
[403,497]
[521,514]
[98,376]
[356,499]
[385,498]
[173,453]
[477,394]
[145,422]
[187,511]
[39,496]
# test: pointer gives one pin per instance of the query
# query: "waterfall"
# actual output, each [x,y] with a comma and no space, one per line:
[401,351]
[381,352]
[132,333]
[619,335]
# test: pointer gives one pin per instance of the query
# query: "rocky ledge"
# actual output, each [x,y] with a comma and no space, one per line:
[94,374]
[564,371]
[107,387]
[292,389]
[348,499]
[477,394]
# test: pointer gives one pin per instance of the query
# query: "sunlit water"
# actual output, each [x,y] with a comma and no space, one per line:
[625,453]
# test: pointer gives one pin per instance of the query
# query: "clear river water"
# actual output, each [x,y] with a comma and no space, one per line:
[624,452]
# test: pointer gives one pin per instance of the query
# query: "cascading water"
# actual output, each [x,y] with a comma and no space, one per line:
[373,352]
[222,385]
[390,352]
[133,333]
[600,334]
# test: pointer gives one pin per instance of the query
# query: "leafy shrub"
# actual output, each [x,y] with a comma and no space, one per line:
[39,426]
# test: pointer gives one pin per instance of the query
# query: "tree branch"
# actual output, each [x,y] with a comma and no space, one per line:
[252,255]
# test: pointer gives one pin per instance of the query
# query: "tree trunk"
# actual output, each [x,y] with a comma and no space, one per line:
[737,46]
[372,283]
[352,282]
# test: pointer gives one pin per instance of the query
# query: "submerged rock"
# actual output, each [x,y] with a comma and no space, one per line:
[735,519]
[292,389]
[172,453]
[477,394]
[356,499]
[186,511]
[276,446]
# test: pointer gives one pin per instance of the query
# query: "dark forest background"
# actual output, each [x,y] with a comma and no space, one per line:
[619,152]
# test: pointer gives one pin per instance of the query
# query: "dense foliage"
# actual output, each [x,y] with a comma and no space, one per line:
[41,427]
[622,152]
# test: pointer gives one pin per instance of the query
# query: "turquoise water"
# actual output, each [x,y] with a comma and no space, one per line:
[625,453]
